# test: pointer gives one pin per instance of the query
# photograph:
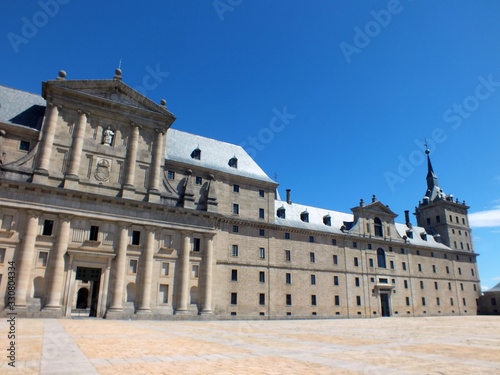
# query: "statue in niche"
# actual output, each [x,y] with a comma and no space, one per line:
[107,136]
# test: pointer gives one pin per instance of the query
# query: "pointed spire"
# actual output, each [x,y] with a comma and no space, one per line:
[433,191]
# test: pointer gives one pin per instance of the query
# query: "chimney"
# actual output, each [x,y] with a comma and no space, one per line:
[288,196]
[407,218]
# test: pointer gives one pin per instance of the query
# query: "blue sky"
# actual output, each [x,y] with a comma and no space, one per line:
[335,97]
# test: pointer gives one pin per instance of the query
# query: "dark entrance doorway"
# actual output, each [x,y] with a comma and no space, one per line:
[384,302]
[92,275]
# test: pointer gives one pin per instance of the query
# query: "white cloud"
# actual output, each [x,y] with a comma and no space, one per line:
[484,288]
[496,279]
[488,218]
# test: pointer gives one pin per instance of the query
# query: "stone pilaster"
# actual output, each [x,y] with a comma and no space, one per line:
[76,150]
[45,149]
[207,273]
[56,265]
[120,268]
[188,196]
[183,298]
[128,187]
[157,161]
[24,261]
[146,272]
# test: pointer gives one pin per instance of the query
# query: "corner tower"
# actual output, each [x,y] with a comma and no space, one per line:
[446,219]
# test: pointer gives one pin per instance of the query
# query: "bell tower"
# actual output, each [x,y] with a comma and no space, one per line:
[443,217]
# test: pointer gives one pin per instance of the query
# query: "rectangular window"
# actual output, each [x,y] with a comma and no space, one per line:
[438,219]
[235,229]
[199,180]
[136,237]
[472,271]
[262,277]
[461,286]
[356,262]
[335,280]
[357,281]
[437,301]
[449,286]
[2,256]
[493,302]
[196,244]
[288,255]
[451,301]
[289,300]
[421,285]
[419,267]
[406,284]
[335,260]
[459,271]
[236,209]
[234,298]
[42,259]
[94,233]
[465,303]
[392,264]
[287,236]
[423,301]
[261,193]
[311,238]
[334,242]
[195,269]
[234,275]
[358,300]
[48,225]
[475,288]
[433,268]
[407,301]
[163,297]
[262,299]
[24,146]
[235,251]
[171,175]
[428,221]
[312,257]
[354,244]
[447,269]
[262,253]
[436,285]
[261,213]
[337,300]
[313,300]
[132,266]
[404,266]
[165,268]
[236,188]
[288,278]
[370,261]
[313,279]
[369,246]
[262,232]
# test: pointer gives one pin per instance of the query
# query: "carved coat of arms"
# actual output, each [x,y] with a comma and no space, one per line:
[102,170]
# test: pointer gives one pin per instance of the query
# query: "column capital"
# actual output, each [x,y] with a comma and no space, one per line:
[34,213]
[65,217]
[186,233]
[160,130]
[209,236]
[135,125]
[82,112]
[150,228]
[123,225]
[52,105]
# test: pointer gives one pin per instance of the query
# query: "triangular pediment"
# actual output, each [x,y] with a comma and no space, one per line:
[375,208]
[110,91]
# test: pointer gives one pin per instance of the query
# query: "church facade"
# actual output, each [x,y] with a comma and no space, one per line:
[107,211]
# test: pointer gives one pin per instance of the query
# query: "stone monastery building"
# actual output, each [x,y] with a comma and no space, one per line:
[108,212]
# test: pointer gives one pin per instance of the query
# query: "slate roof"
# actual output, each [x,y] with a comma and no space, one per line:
[21,108]
[496,288]
[417,239]
[214,155]
[292,217]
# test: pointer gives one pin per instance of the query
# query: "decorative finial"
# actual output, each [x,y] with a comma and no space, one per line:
[163,102]
[62,75]
[374,199]
[118,74]
[426,146]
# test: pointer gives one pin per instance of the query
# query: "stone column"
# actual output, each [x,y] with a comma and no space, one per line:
[76,146]
[56,265]
[132,144]
[46,143]
[157,160]
[24,261]
[184,275]
[146,272]
[208,260]
[120,268]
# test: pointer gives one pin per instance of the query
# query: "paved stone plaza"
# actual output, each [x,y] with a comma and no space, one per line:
[444,345]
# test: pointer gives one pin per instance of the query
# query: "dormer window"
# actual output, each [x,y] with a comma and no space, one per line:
[327,220]
[196,154]
[304,216]
[233,162]
[281,213]
[409,233]
[378,227]
[423,236]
